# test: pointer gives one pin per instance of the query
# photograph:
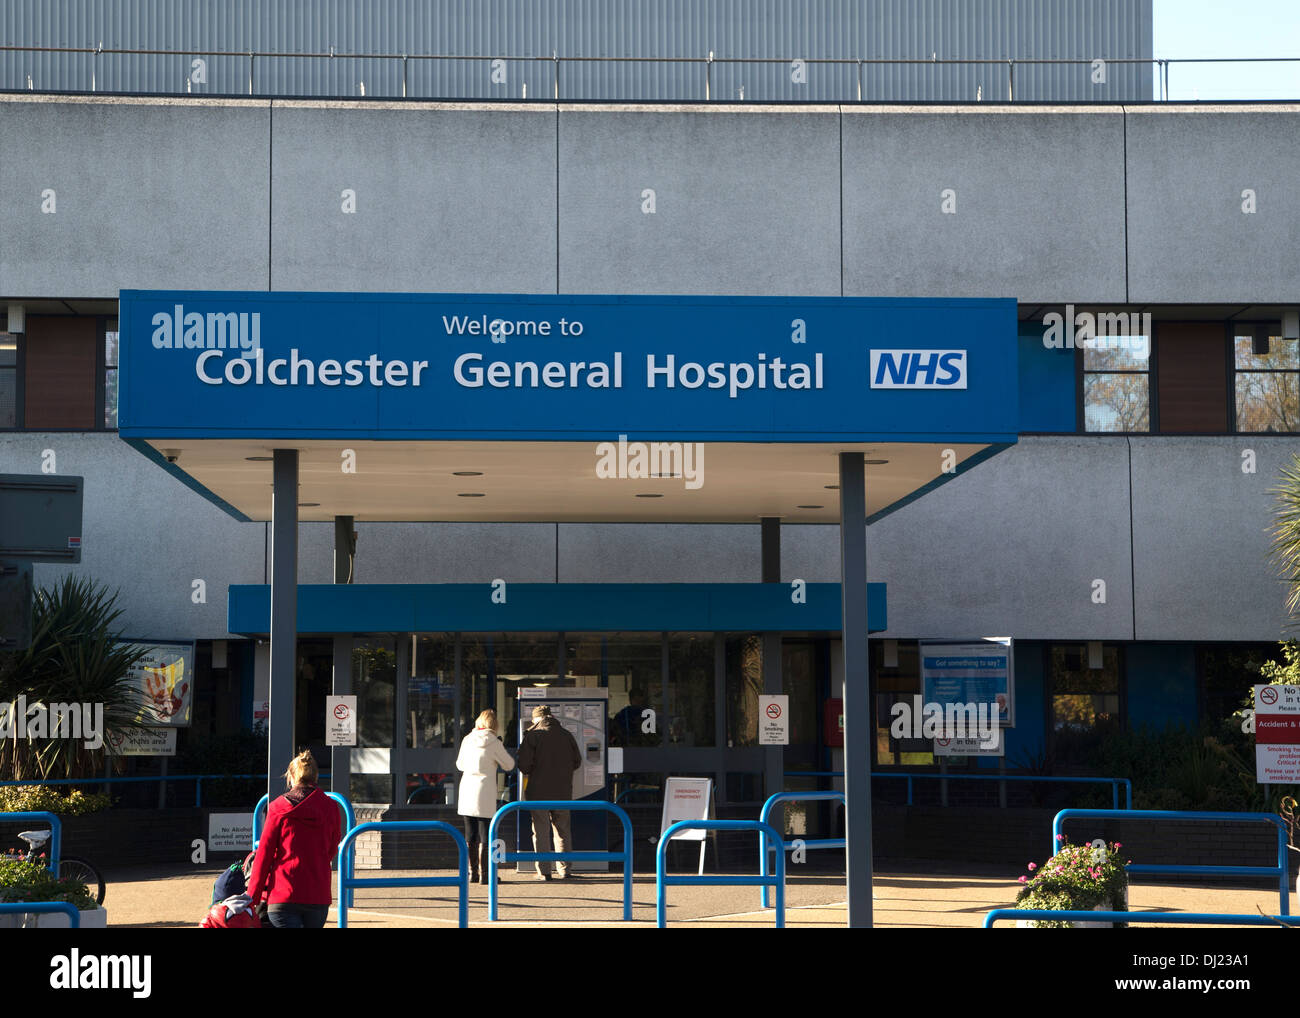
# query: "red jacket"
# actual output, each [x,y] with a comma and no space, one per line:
[294,855]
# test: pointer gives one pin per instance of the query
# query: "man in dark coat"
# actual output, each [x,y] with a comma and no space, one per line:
[549,755]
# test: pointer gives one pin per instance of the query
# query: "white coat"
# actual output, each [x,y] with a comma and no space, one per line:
[481,753]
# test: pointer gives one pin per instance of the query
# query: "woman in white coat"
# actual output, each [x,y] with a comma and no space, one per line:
[481,753]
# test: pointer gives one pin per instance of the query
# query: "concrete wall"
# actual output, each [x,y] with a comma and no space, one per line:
[447,199]
[147,194]
[1053,204]
[744,202]
[1104,205]
[1009,204]
[1189,236]
[1012,548]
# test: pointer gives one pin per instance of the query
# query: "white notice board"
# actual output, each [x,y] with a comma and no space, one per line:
[686,799]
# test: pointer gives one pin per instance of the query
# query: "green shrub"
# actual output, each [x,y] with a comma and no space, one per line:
[31,881]
[48,799]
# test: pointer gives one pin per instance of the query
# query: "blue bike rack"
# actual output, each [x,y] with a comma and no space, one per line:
[582,805]
[56,833]
[1279,871]
[1193,918]
[347,854]
[771,841]
[70,910]
[786,846]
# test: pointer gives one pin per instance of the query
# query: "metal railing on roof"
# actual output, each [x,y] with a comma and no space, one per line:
[846,83]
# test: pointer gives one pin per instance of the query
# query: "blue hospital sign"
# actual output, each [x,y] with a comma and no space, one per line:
[454,366]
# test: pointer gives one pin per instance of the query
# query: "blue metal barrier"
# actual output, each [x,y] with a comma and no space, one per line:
[1279,871]
[56,833]
[582,805]
[1193,918]
[770,841]
[786,846]
[347,856]
[70,910]
[1114,783]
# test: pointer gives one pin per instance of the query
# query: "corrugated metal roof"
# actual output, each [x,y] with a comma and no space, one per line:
[526,34]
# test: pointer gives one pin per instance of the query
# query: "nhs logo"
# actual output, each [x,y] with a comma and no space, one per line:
[918,369]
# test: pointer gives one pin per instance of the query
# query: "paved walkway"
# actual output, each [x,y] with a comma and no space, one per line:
[139,898]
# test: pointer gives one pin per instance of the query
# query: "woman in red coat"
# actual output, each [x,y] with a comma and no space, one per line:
[292,868]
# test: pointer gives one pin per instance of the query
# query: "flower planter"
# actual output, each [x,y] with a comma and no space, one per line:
[91,919]
[1120,905]
[1073,878]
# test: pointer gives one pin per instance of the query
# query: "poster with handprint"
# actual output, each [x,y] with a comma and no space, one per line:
[165,679]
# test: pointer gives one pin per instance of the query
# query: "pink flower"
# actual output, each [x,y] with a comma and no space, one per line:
[1118,845]
[1024,879]
[1032,866]
[1060,837]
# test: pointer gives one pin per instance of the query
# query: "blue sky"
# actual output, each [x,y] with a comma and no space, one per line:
[1221,28]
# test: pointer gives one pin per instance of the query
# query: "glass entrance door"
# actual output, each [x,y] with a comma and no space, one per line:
[429,720]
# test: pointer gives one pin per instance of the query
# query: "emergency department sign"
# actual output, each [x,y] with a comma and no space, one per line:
[446,366]
[1277,734]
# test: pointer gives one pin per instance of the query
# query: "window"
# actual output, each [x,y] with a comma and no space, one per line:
[1082,698]
[1267,380]
[744,683]
[8,380]
[374,681]
[431,694]
[110,376]
[1117,386]
[690,700]
[897,683]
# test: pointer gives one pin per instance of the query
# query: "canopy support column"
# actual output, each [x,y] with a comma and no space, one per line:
[857,691]
[345,549]
[284,617]
[773,756]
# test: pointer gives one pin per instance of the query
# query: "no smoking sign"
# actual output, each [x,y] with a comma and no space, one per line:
[774,721]
[340,721]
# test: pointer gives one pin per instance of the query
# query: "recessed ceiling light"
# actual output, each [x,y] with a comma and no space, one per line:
[810,507]
[665,475]
[875,463]
[307,505]
[471,494]
[259,459]
[650,495]
[832,487]
[467,473]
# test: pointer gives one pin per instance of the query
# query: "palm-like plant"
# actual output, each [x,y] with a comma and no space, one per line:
[1286,535]
[76,656]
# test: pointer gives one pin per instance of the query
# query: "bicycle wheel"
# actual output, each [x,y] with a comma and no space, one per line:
[79,869]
